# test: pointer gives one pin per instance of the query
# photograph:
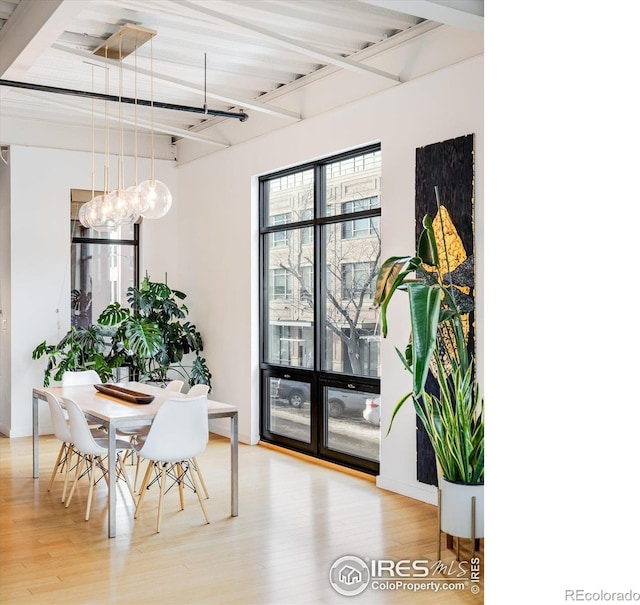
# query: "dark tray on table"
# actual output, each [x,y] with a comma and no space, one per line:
[121,393]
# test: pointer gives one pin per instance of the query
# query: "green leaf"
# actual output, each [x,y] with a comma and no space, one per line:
[144,337]
[200,373]
[40,350]
[391,277]
[396,409]
[113,314]
[424,306]
[386,276]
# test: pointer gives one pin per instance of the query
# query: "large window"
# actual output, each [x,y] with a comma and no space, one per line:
[103,265]
[320,255]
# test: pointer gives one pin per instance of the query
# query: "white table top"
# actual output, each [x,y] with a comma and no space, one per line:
[113,410]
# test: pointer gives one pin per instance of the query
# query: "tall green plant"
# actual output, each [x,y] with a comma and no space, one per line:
[150,336]
[454,417]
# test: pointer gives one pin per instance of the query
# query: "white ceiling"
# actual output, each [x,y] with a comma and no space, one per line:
[280,61]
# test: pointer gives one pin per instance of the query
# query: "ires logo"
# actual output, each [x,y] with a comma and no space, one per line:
[385,568]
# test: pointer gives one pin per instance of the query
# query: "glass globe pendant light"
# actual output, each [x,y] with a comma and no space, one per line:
[93,213]
[99,215]
[155,197]
[122,204]
[137,201]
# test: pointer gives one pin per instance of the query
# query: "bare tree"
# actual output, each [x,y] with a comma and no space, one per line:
[348,284]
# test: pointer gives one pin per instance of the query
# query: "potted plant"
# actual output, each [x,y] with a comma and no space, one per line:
[149,338]
[453,413]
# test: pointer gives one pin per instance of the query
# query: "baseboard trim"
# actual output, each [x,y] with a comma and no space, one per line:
[318,461]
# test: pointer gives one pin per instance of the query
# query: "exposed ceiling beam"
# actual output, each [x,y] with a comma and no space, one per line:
[156,126]
[466,14]
[202,111]
[290,43]
[232,101]
[30,30]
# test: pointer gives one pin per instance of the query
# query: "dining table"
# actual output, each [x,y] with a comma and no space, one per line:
[124,411]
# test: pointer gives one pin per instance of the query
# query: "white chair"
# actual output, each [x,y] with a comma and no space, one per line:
[93,451]
[180,431]
[81,378]
[62,431]
[137,433]
[174,386]
[196,391]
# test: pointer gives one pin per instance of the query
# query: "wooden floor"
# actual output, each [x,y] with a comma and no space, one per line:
[296,519]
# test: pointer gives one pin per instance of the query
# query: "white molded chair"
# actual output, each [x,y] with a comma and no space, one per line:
[63,433]
[180,431]
[83,377]
[195,391]
[137,433]
[174,386]
[198,389]
[93,451]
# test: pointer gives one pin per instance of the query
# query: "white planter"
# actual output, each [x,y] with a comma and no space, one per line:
[456,506]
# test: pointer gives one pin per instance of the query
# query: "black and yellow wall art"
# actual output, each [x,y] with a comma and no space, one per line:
[449,166]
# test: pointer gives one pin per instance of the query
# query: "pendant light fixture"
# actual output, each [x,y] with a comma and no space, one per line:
[155,197]
[96,213]
[134,188]
[151,198]
[122,204]
[83,212]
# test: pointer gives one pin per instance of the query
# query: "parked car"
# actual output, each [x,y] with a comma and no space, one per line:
[342,400]
[371,411]
[294,391]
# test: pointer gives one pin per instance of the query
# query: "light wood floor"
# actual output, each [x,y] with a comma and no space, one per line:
[296,519]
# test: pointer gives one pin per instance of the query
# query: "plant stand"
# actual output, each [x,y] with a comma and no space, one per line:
[450,545]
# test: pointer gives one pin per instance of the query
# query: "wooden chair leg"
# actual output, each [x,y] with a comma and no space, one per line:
[135,478]
[143,488]
[75,481]
[163,480]
[63,450]
[181,476]
[91,483]
[121,470]
[196,466]
[204,511]
[70,454]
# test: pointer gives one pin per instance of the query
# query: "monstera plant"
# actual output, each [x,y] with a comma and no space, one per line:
[79,349]
[151,338]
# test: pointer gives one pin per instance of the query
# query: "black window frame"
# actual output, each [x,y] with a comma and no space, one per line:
[317,378]
[99,240]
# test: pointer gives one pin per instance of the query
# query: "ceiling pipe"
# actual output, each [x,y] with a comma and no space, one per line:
[241,115]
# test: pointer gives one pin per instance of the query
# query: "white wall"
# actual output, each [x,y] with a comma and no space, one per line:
[40,184]
[5,288]
[219,233]
[208,243]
